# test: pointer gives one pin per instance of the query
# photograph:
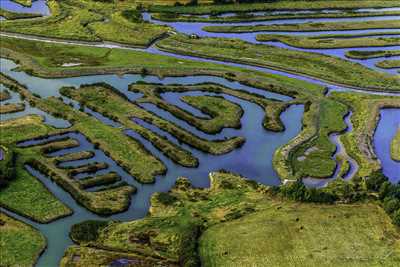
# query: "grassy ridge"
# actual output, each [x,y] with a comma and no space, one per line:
[20,244]
[245,17]
[332,40]
[312,64]
[371,54]
[14,15]
[26,3]
[395,147]
[388,64]
[309,26]
[277,5]
[12,108]
[302,235]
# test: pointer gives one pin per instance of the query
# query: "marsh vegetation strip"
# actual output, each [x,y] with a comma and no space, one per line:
[309,27]
[332,41]
[311,64]
[269,16]
[356,54]
[280,5]
[389,64]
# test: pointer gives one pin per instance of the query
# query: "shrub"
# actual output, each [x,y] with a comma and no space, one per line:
[87,231]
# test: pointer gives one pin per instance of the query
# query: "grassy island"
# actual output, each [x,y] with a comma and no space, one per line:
[395,146]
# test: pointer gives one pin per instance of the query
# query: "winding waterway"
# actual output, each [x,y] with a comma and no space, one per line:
[253,159]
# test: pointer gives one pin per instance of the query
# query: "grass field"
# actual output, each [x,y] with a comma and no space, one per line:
[331,40]
[238,222]
[395,147]
[311,64]
[371,54]
[20,244]
[309,26]
[304,235]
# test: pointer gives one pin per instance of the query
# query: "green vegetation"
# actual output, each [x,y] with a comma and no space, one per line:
[309,154]
[88,20]
[247,17]
[46,60]
[99,180]
[37,203]
[7,165]
[75,156]
[312,64]
[113,104]
[11,108]
[276,5]
[27,3]
[309,26]
[233,221]
[20,244]
[389,64]
[126,151]
[372,54]
[14,15]
[4,95]
[366,113]
[395,146]
[224,114]
[272,107]
[331,40]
